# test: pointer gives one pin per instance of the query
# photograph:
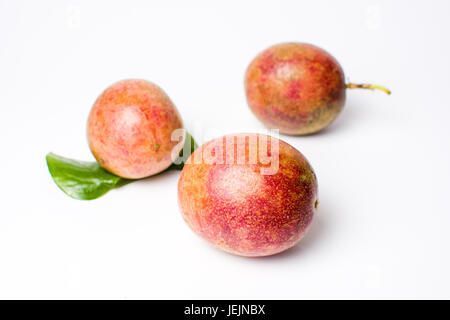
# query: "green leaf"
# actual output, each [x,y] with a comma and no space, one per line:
[88,180]
[189,143]
[79,179]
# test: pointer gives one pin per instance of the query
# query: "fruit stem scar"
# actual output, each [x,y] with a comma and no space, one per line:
[367,86]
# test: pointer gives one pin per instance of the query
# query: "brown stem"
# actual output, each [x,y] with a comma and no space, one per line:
[367,86]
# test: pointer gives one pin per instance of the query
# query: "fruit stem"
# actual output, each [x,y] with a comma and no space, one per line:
[367,86]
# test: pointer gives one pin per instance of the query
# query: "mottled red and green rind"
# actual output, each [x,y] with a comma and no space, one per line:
[295,87]
[130,127]
[245,213]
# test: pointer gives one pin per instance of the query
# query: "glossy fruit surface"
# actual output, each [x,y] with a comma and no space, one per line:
[130,127]
[226,199]
[297,88]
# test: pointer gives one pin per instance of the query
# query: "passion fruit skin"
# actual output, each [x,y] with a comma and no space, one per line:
[129,129]
[241,211]
[297,88]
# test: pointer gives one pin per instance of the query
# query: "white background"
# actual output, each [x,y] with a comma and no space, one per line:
[382,230]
